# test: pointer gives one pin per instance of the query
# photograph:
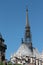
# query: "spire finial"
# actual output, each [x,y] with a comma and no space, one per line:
[26,8]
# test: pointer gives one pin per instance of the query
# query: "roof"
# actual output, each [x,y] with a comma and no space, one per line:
[25,51]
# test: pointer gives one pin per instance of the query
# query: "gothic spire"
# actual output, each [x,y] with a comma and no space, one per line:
[27,29]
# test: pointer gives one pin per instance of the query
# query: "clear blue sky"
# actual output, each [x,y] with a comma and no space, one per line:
[13,20]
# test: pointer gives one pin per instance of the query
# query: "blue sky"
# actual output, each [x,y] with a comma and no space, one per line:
[13,20]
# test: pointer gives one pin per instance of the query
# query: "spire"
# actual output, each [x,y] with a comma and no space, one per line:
[27,22]
[27,29]
[27,38]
